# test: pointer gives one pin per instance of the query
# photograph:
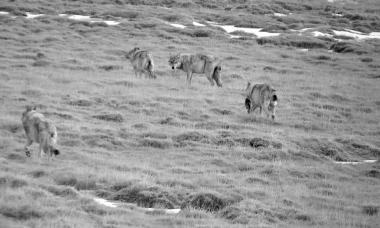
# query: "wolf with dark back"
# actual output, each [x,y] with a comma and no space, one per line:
[261,96]
[199,64]
[40,130]
[142,62]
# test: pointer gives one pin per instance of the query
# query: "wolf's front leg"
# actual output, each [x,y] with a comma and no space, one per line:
[210,80]
[189,76]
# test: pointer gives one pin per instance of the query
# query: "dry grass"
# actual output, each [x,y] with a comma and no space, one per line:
[161,143]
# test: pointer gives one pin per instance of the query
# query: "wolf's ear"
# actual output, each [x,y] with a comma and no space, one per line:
[248,85]
[30,108]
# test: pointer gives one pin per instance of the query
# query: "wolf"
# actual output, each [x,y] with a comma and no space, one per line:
[261,96]
[198,63]
[40,130]
[142,62]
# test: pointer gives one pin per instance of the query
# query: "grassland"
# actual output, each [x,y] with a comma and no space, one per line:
[159,143]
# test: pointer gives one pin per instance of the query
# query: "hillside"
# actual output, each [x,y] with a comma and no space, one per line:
[161,144]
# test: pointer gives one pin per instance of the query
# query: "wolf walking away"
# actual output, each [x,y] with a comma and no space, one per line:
[40,130]
[198,63]
[142,62]
[261,96]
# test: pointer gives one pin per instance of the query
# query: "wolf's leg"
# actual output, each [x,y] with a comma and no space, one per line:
[266,111]
[135,70]
[41,154]
[189,76]
[210,80]
[28,143]
[253,108]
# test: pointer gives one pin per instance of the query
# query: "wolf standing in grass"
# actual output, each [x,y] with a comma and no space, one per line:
[198,63]
[141,61]
[40,130]
[261,96]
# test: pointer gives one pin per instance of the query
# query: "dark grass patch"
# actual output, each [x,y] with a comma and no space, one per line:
[62,191]
[80,103]
[154,135]
[351,47]
[32,93]
[370,210]
[41,63]
[37,173]
[94,209]
[372,173]
[203,33]
[208,201]
[112,117]
[80,183]
[190,136]
[122,13]
[12,182]
[146,196]
[24,212]
[12,127]
[16,157]
[154,143]
[110,67]
[259,143]
[141,126]
[366,60]
[256,180]
[234,214]
[221,111]
[65,179]
[294,41]
[146,25]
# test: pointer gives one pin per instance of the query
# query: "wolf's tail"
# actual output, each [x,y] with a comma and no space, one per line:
[151,69]
[216,75]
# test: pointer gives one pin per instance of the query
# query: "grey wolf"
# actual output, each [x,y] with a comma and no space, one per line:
[198,63]
[40,130]
[142,62]
[261,96]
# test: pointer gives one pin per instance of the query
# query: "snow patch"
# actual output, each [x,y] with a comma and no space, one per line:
[279,15]
[105,202]
[32,16]
[198,24]
[234,36]
[4,13]
[89,19]
[354,162]
[108,203]
[255,31]
[177,25]
[316,34]
[357,35]
[337,14]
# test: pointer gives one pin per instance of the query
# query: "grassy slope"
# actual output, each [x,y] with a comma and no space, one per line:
[177,140]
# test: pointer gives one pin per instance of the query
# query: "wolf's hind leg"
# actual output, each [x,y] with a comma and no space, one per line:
[27,150]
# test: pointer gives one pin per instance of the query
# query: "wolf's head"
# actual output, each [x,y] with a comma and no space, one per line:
[131,52]
[174,61]
[29,108]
